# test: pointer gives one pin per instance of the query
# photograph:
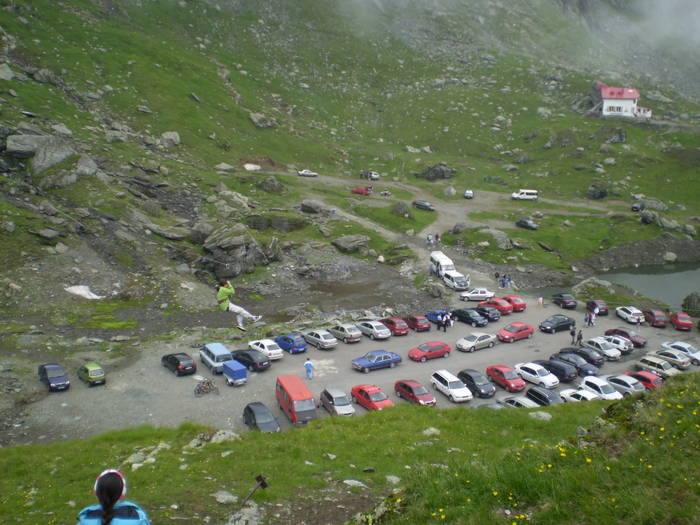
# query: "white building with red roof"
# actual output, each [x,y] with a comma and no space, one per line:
[621,102]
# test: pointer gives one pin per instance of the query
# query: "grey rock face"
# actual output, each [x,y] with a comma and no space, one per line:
[261,121]
[351,243]
[86,166]
[24,146]
[312,206]
[439,171]
[272,185]
[170,139]
[51,152]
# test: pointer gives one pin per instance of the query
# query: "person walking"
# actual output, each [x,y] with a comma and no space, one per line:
[572,333]
[223,297]
[579,338]
[309,367]
[429,240]
[592,318]
[110,490]
[437,239]
[540,301]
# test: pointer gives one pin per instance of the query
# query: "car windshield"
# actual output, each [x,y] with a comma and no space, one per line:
[541,372]
[304,404]
[420,390]
[427,347]
[512,329]
[54,372]
[400,324]
[606,388]
[273,346]
[96,372]
[340,401]
[657,381]
[683,317]
[377,396]
[470,338]
[606,346]
[372,357]
[263,417]
[326,336]
[510,375]
[480,380]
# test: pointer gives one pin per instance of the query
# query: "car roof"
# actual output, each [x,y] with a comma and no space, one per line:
[394,319]
[92,366]
[258,407]
[518,323]
[470,372]
[594,379]
[410,382]
[503,368]
[368,388]
[335,392]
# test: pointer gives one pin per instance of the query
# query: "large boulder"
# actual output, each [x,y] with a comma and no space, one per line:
[51,152]
[170,139]
[597,191]
[439,171]
[501,238]
[24,146]
[401,209]
[351,243]
[86,166]
[271,185]
[312,206]
[261,121]
[691,304]
[226,237]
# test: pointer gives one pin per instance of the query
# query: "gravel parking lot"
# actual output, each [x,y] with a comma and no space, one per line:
[146,393]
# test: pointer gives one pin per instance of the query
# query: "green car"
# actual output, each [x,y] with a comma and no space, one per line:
[92,374]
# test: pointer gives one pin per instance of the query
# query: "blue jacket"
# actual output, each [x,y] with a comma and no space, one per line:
[125,513]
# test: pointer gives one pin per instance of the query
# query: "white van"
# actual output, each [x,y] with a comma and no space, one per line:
[455,280]
[447,383]
[525,195]
[440,263]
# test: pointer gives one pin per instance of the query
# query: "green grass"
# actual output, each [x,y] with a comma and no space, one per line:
[384,217]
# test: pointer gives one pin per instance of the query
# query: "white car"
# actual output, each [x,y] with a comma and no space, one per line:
[455,280]
[476,341]
[630,314]
[307,173]
[477,294]
[468,194]
[601,387]
[577,395]
[321,339]
[536,374]
[447,383]
[610,352]
[626,385]
[689,350]
[268,347]
[374,329]
[623,344]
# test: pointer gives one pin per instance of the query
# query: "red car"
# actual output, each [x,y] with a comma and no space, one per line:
[419,323]
[515,332]
[506,377]
[430,350]
[649,379]
[516,302]
[637,340]
[370,396]
[681,321]
[362,190]
[396,325]
[655,318]
[501,305]
[414,392]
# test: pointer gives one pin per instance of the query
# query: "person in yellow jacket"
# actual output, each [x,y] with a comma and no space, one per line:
[223,297]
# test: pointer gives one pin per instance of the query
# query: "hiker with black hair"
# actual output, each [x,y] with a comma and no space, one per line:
[112,509]
[223,297]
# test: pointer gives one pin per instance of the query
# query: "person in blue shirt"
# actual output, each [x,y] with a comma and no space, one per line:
[113,509]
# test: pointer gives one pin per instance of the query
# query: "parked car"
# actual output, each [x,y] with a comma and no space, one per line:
[414,392]
[623,344]
[536,374]
[93,374]
[557,323]
[520,402]
[589,354]
[477,383]
[470,316]
[268,347]
[516,302]
[321,339]
[257,416]
[655,318]
[543,397]
[374,329]
[455,280]
[515,332]
[396,325]
[336,402]
[433,315]
[609,350]
[430,350]
[599,304]
[601,387]
[253,360]
[468,194]
[447,383]
[626,385]
[675,357]
[424,205]
[307,173]
[476,341]
[637,340]
[577,395]
[214,355]
[565,372]
[649,380]
[565,300]
[477,294]
[375,360]
[630,314]
[503,306]
[346,332]
[292,343]
[362,190]
[506,377]
[686,348]
[371,397]
[527,223]
[583,367]
[419,323]
[489,312]
[681,321]
[54,377]
[657,365]
[525,195]
[179,363]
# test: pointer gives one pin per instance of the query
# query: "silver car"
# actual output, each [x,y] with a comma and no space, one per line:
[346,332]
[475,341]
[626,385]
[336,402]
[623,344]
[689,350]
[610,352]
[520,402]
[676,358]
[374,329]
[321,339]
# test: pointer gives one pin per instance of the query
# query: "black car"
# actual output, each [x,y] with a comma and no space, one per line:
[589,354]
[489,312]
[253,360]
[565,372]
[565,300]
[557,323]
[527,223]
[470,316]
[583,367]
[424,205]
[54,377]
[179,364]
[543,397]
[258,417]
[477,382]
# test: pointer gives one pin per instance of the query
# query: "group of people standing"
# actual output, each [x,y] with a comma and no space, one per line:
[576,337]
[504,280]
[433,239]
[445,320]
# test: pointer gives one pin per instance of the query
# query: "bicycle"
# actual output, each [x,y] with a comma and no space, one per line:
[205,386]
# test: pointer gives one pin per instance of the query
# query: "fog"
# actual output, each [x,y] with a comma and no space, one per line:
[665,20]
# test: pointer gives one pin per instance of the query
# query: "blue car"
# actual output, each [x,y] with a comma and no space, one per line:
[433,315]
[376,359]
[292,343]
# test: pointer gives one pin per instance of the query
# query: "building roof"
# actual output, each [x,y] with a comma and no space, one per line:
[619,93]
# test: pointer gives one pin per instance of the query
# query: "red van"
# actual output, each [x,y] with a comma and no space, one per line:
[295,399]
